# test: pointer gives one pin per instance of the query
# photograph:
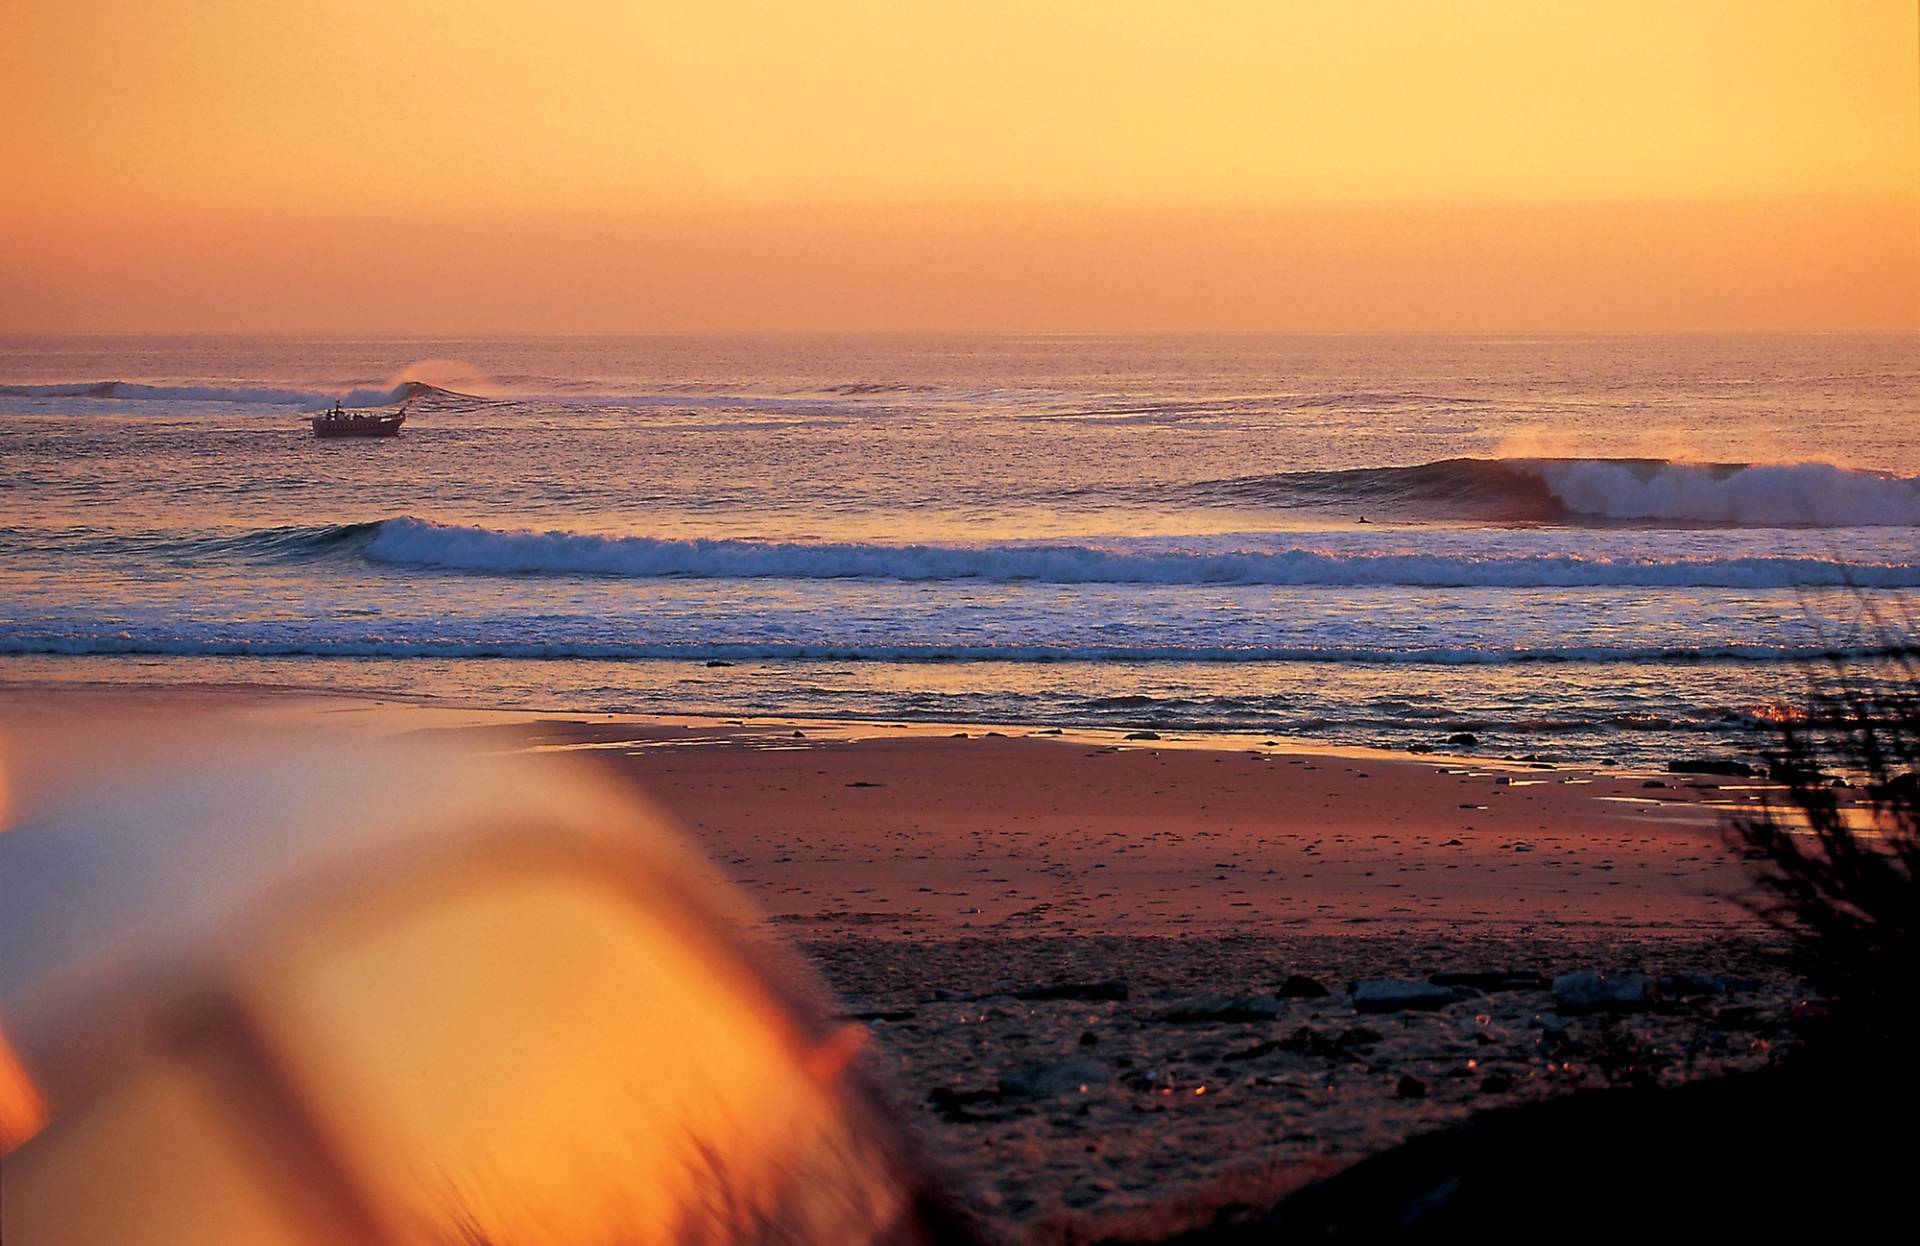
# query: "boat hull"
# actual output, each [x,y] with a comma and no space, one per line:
[360,426]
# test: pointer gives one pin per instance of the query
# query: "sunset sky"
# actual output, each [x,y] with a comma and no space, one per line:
[584,165]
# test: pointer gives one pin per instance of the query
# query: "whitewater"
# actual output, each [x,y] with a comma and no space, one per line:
[416,542]
[1605,547]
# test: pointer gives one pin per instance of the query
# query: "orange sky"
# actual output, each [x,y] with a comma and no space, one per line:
[1283,164]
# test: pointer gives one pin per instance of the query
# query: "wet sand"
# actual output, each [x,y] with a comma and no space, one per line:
[924,831]
[920,835]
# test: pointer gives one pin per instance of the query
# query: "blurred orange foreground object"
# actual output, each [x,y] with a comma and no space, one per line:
[22,1111]
[316,990]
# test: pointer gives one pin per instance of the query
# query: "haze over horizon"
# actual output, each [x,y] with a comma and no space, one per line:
[600,166]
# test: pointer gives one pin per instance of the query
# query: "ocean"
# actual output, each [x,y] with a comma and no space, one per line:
[1587,548]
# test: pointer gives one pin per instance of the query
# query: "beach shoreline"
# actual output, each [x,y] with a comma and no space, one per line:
[830,823]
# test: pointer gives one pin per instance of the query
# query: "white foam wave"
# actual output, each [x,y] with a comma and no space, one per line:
[1797,494]
[418,542]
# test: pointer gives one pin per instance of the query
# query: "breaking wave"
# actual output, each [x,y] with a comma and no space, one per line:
[1576,490]
[417,542]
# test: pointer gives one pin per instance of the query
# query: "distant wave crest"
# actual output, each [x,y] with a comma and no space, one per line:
[129,391]
[417,542]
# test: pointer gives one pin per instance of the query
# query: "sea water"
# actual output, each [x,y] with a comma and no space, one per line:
[1583,547]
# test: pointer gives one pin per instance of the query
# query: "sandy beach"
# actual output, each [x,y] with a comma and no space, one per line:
[898,831]
[1108,979]
[1073,950]
[911,835]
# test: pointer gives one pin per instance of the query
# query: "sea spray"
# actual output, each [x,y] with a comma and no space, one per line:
[1752,495]
[1580,491]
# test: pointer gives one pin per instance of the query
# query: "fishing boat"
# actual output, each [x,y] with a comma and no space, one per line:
[341,423]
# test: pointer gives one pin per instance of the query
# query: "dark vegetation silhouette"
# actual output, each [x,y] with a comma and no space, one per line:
[1837,860]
